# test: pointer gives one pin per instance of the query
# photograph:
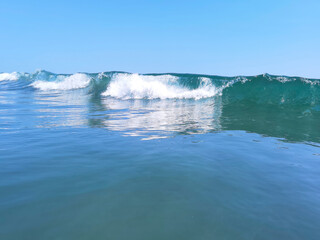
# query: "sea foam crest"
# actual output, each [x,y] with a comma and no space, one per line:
[135,86]
[9,76]
[75,81]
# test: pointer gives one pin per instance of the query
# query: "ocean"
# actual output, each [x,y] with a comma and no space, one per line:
[115,155]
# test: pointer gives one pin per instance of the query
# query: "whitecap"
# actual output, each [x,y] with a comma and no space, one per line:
[75,81]
[9,76]
[135,86]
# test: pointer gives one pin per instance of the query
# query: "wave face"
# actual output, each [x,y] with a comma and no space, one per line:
[279,106]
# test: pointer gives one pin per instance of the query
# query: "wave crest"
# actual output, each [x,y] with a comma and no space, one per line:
[9,76]
[135,86]
[75,81]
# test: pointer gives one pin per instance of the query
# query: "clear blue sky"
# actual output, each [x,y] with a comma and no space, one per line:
[230,37]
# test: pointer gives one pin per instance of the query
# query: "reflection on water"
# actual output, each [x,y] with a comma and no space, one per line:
[151,119]
[148,119]
[161,118]
[296,124]
[61,109]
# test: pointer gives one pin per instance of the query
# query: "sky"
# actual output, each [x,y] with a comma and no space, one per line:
[230,37]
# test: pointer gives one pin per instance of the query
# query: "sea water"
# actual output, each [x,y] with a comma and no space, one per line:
[117,155]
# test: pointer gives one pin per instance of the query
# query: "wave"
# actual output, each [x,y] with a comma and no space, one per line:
[9,76]
[75,81]
[135,86]
[156,104]
[120,85]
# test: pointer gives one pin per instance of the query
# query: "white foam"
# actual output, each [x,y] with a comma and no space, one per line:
[9,76]
[135,86]
[75,81]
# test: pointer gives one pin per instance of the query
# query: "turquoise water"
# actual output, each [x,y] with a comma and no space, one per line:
[162,156]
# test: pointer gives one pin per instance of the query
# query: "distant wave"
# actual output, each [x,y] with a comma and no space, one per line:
[9,76]
[261,88]
[75,81]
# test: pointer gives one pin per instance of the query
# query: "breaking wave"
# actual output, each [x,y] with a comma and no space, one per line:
[120,85]
[9,76]
[280,106]
[135,86]
[78,80]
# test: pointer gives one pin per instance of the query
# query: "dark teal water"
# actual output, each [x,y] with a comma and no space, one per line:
[128,156]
